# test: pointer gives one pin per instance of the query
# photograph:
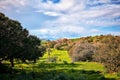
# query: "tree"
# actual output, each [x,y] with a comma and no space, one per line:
[32,49]
[11,38]
[16,43]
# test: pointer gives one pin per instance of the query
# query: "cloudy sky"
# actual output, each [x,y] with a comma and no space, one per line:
[53,19]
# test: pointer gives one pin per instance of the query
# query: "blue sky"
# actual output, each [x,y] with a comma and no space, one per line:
[54,19]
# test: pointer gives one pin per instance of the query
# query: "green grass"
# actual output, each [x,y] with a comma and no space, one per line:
[58,66]
[61,55]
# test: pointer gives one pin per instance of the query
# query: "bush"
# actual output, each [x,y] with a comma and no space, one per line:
[109,54]
[82,51]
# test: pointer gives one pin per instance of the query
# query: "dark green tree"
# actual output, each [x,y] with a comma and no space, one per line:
[16,43]
[32,49]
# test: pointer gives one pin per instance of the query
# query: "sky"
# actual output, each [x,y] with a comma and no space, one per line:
[54,19]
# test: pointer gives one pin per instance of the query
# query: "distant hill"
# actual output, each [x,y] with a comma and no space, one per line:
[67,43]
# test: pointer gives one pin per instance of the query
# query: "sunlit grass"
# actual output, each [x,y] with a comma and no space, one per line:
[61,68]
[61,55]
[63,58]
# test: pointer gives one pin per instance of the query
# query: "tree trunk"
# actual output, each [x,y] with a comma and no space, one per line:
[23,61]
[11,61]
[34,60]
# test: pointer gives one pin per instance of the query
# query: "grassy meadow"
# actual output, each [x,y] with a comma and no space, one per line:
[58,66]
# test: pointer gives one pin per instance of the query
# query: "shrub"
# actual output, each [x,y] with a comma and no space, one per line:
[82,51]
[109,54]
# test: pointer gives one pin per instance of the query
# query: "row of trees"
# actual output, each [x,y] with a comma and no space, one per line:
[16,43]
[60,44]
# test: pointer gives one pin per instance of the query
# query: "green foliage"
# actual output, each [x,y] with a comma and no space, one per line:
[16,43]
[11,36]
[32,49]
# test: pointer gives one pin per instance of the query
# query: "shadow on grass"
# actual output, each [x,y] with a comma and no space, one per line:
[54,75]
[110,79]
[47,72]
[56,65]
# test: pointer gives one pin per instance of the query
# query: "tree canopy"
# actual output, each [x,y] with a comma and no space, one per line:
[16,43]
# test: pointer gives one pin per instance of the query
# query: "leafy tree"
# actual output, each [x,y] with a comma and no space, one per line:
[11,38]
[16,43]
[32,49]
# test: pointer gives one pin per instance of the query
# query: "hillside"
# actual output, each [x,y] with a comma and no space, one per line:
[63,61]
[104,49]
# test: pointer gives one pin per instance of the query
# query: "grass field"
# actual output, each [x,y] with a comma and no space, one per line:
[58,66]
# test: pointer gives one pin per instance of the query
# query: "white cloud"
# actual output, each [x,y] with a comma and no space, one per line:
[98,1]
[9,3]
[59,32]
[50,13]
[62,6]
[94,30]
[60,29]
[77,12]
[73,16]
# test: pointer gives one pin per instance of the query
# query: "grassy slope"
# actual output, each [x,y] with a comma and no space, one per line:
[60,55]
[63,56]
[61,69]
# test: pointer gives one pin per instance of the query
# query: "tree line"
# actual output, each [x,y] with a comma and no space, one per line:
[17,43]
[104,49]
